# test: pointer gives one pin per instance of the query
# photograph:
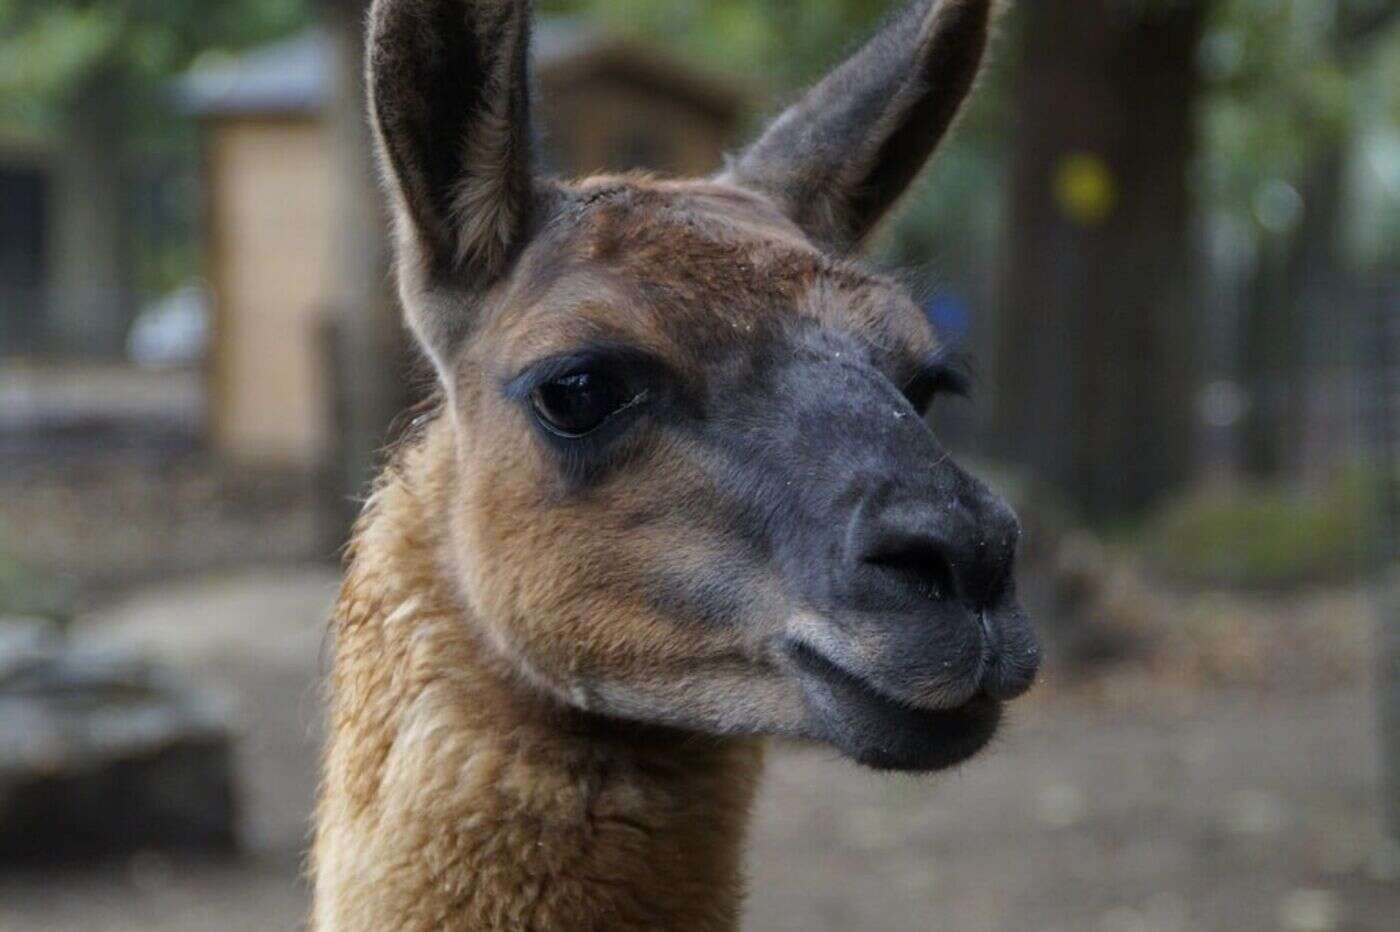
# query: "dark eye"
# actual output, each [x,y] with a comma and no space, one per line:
[578,404]
[937,378]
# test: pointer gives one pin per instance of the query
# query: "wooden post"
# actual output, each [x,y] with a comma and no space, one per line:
[366,339]
[1385,385]
[1388,695]
[89,278]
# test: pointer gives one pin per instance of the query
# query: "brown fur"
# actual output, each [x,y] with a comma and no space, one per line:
[546,693]
[455,797]
[456,794]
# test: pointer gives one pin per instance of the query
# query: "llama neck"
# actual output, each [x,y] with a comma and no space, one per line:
[456,796]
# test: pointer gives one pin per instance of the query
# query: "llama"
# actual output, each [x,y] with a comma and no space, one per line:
[679,496]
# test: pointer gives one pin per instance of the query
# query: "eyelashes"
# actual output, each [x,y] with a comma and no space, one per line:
[942,373]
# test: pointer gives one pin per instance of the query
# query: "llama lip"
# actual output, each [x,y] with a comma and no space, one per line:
[883,733]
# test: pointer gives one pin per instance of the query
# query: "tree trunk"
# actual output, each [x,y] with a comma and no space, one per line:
[1094,369]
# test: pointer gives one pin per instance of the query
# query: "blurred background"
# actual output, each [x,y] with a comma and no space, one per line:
[1166,235]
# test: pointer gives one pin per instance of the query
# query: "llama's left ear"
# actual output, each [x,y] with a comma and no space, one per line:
[839,158]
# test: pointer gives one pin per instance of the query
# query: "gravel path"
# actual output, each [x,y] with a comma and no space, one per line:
[1251,812]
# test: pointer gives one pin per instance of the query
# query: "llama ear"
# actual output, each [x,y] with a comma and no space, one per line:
[449,101]
[840,157]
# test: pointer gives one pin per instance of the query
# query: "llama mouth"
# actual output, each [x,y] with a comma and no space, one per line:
[884,733]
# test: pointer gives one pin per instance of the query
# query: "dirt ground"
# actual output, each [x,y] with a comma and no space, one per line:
[1242,809]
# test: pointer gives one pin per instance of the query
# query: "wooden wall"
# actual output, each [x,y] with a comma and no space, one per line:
[612,125]
[269,236]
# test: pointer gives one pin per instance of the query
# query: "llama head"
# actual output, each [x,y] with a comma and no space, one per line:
[694,484]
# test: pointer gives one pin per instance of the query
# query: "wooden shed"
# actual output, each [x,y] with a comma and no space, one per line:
[603,103]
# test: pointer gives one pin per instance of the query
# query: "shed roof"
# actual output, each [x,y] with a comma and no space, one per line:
[295,76]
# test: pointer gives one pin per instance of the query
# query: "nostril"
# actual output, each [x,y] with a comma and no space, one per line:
[919,565]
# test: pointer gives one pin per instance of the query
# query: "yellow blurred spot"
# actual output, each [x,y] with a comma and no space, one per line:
[1085,189]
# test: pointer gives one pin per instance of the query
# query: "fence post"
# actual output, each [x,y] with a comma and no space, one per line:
[365,343]
[1384,345]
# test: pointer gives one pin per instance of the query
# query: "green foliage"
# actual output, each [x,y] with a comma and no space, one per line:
[783,43]
[52,51]
[1267,535]
[105,66]
[1285,81]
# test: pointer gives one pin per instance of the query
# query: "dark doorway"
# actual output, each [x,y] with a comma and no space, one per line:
[24,194]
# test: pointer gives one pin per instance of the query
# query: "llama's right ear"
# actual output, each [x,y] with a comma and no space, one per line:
[449,101]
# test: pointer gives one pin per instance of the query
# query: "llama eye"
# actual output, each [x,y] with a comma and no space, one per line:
[921,393]
[936,378]
[578,404]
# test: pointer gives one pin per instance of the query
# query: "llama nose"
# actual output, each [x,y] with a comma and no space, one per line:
[918,562]
[943,552]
